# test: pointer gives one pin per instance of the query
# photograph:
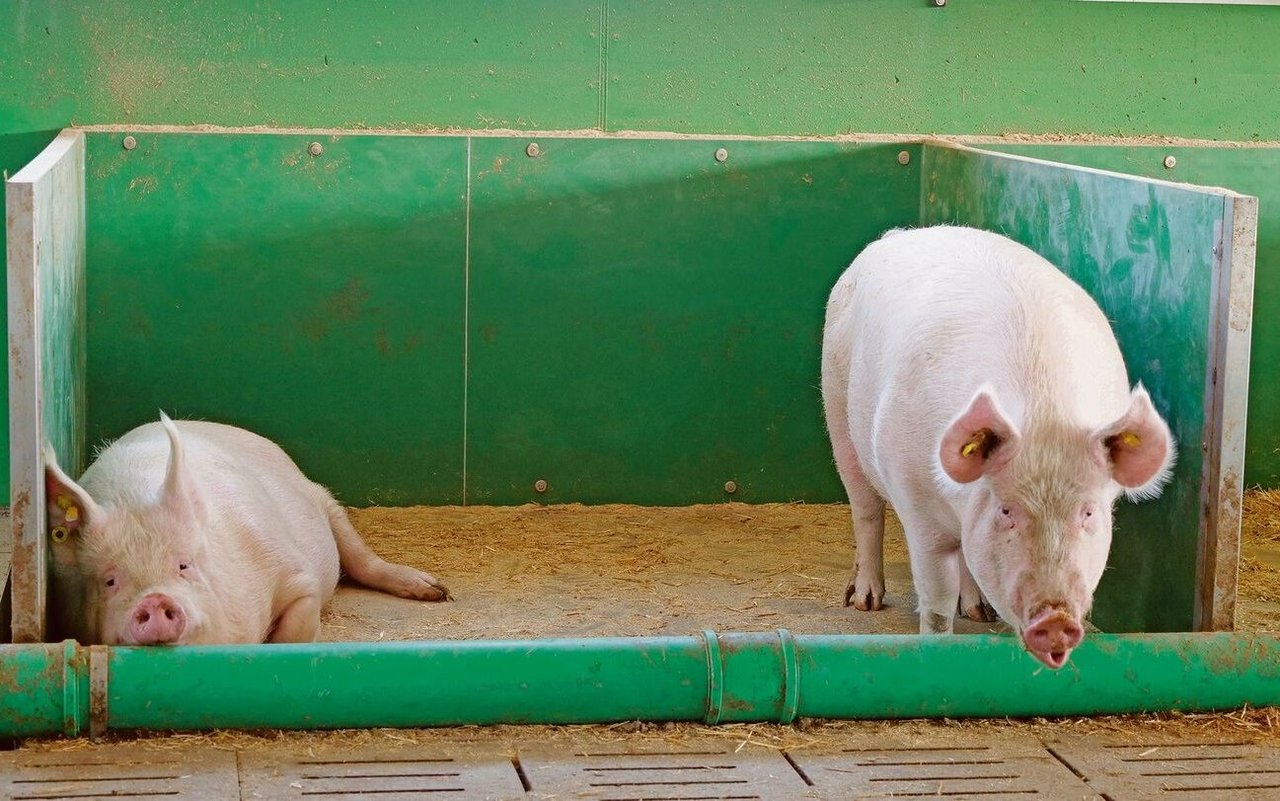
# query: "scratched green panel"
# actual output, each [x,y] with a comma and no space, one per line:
[60,231]
[645,322]
[315,300]
[1253,171]
[388,64]
[686,65]
[988,67]
[1144,251]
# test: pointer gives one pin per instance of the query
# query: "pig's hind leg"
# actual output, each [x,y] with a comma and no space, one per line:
[362,564]
[299,621]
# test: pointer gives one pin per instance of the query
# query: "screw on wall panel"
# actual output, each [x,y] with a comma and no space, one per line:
[129,143]
[1170,162]
[904,158]
[540,485]
[731,486]
[315,148]
[533,151]
[722,155]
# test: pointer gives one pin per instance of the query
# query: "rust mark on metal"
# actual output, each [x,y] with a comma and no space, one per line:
[731,704]
[1225,553]
[79,659]
[99,703]
[19,509]
[25,560]
[344,306]
[346,303]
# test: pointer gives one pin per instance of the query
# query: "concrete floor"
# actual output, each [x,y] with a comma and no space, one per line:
[912,759]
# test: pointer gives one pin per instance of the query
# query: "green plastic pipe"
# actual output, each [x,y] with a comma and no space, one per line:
[43,689]
[772,676]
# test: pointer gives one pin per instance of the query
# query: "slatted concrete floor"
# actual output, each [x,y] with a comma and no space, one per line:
[982,767]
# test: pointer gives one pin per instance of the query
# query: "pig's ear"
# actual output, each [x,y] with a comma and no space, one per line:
[1138,448]
[180,494]
[69,507]
[978,442]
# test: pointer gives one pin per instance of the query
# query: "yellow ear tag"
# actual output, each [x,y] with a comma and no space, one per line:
[1130,439]
[59,534]
[971,447]
[69,509]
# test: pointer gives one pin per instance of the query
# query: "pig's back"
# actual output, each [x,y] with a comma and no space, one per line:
[922,318]
[249,481]
[212,450]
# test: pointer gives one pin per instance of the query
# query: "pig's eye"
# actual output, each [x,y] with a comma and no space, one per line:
[111,582]
[1087,514]
[1006,511]
[183,565]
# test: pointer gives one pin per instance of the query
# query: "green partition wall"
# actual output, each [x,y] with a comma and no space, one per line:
[626,320]
[645,320]
[318,300]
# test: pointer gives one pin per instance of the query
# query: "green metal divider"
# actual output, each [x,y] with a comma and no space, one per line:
[769,677]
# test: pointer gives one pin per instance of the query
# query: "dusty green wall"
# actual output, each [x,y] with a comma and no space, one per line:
[448,320]
[972,67]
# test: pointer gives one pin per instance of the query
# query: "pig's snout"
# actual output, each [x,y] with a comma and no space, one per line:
[1051,636]
[157,619]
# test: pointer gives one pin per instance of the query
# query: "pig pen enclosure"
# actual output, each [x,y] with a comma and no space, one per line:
[576,377]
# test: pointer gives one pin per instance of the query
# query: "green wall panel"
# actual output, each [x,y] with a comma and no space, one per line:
[1144,251]
[502,63]
[315,300]
[1253,171]
[645,322]
[979,66]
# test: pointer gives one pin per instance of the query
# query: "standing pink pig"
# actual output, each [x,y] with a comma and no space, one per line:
[193,532]
[977,389]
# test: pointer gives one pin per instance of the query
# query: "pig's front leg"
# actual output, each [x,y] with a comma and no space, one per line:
[299,620]
[972,604]
[936,573]
[866,589]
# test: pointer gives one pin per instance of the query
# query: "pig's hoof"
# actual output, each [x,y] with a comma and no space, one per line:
[407,582]
[864,600]
[982,612]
